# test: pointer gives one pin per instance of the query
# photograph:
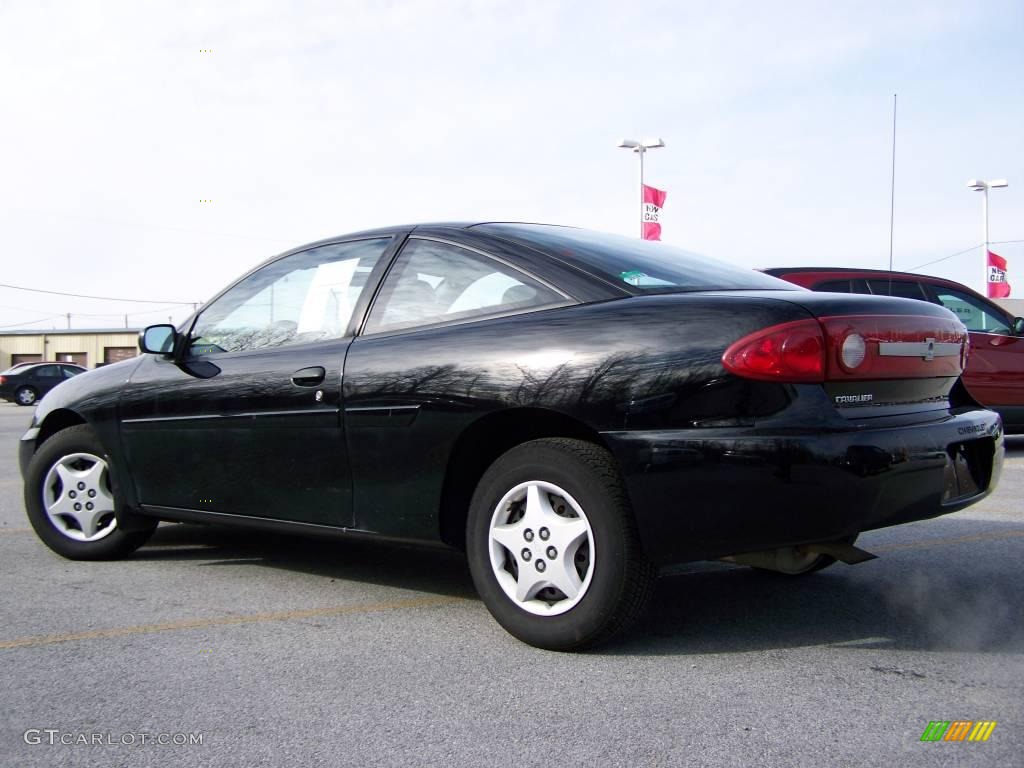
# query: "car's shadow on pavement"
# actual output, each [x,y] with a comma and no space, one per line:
[953,585]
[437,571]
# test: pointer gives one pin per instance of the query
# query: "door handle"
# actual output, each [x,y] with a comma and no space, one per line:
[309,377]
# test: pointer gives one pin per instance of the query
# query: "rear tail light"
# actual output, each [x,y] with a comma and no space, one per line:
[788,352]
[3,380]
[851,348]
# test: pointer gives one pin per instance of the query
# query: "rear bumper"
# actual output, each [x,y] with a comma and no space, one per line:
[699,494]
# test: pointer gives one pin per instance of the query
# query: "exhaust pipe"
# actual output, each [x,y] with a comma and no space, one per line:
[800,559]
[842,551]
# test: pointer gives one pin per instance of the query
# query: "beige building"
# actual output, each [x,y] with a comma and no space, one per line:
[1014,306]
[88,347]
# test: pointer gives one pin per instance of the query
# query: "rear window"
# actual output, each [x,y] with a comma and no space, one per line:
[834,286]
[639,266]
[905,289]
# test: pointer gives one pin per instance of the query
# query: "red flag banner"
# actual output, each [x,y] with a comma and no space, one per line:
[654,201]
[998,288]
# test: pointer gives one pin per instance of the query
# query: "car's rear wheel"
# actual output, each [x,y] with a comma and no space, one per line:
[69,498]
[553,546]
[25,396]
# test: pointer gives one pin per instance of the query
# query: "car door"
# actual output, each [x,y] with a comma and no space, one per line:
[245,418]
[43,378]
[995,368]
[70,371]
[414,377]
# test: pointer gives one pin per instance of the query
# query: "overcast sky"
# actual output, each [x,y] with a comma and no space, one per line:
[309,119]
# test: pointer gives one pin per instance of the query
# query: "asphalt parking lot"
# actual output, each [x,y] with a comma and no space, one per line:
[285,651]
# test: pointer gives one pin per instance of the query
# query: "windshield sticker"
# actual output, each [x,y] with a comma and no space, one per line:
[633,277]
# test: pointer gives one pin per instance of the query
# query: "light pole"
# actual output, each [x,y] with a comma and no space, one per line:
[640,148]
[979,185]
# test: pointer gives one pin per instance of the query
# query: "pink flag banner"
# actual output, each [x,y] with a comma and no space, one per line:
[998,288]
[654,201]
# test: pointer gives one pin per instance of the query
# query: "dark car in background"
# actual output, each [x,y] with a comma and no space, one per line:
[995,367]
[24,384]
[572,409]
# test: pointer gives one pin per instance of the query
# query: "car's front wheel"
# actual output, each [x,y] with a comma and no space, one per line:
[553,545]
[25,396]
[69,498]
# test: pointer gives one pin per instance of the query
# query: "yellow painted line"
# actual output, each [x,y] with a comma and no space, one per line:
[221,621]
[15,530]
[926,544]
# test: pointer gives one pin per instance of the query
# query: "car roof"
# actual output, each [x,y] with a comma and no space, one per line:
[391,231]
[29,366]
[852,271]
[408,228]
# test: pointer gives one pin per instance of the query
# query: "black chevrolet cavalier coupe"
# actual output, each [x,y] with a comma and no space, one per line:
[573,409]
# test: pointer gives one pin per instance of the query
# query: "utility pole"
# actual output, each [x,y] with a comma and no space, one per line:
[69,321]
[892,188]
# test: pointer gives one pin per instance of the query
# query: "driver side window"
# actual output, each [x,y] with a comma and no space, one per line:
[305,297]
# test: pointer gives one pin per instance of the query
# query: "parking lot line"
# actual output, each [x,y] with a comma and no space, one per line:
[993,536]
[15,530]
[219,621]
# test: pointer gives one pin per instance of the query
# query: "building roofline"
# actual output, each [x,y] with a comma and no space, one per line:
[69,331]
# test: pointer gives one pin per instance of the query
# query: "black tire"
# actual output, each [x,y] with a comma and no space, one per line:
[114,543]
[621,579]
[26,396]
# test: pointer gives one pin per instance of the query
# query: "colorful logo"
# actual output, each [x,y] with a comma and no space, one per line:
[958,730]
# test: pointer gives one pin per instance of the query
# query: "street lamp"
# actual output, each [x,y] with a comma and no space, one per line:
[640,147]
[979,185]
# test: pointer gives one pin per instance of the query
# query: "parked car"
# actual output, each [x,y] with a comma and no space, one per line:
[573,409]
[995,367]
[25,383]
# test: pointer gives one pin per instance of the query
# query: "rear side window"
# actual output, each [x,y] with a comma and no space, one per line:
[904,289]
[434,282]
[46,372]
[972,312]
[639,266]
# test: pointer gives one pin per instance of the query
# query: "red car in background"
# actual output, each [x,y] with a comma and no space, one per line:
[995,368]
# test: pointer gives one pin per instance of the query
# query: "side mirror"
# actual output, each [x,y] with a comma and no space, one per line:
[1018,326]
[158,339]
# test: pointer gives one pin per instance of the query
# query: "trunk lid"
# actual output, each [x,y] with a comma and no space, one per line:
[882,355]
